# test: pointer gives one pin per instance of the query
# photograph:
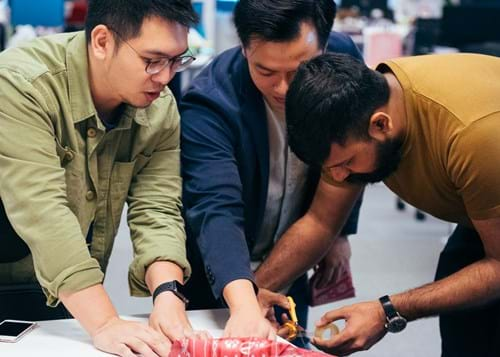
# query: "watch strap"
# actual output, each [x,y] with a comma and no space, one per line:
[388,307]
[174,286]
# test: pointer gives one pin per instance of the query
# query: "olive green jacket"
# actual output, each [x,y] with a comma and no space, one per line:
[60,171]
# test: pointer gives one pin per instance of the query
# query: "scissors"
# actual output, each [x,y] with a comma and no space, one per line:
[295,330]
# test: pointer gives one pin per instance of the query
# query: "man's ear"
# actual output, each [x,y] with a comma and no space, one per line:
[243,51]
[102,42]
[381,126]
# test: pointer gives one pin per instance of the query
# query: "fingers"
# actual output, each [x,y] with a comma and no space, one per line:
[330,346]
[331,316]
[126,337]
[155,341]
[341,345]
[282,301]
[271,317]
[248,326]
[269,298]
[283,331]
[198,335]
[123,350]
[177,332]
[202,335]
[140,347]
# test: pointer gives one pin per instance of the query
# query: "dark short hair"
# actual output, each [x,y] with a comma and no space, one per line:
[126,16]
[331,98]
[280,20]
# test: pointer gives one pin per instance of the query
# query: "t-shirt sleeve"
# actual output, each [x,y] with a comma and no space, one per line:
[474,167]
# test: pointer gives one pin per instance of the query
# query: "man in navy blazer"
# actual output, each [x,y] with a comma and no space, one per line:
[247,197]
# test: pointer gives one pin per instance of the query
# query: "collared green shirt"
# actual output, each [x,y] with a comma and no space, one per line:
[60,171]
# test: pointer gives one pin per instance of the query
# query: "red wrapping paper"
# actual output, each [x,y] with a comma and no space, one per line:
[238,347]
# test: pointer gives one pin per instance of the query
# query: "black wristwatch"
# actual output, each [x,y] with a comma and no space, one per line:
[174,286]
[395,322]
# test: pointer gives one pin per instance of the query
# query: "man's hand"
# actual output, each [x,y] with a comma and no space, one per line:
[110,333]
[128,338]
[267,300]
[169,318]
[247,316]
[249,322]
[169,312]
[364,326]
[335,262]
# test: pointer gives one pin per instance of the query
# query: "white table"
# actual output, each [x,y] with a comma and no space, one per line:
[66,338]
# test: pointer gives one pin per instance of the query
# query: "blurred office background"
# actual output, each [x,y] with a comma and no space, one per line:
[397,247]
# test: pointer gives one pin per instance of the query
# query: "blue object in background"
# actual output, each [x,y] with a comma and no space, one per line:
[198,7]
[226,5]
[48,13]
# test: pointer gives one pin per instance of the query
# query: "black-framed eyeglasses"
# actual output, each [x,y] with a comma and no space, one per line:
[156,65]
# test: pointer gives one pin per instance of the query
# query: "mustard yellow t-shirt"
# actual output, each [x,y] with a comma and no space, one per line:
[451,154]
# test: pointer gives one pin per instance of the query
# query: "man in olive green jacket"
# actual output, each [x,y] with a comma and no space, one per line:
[87,124]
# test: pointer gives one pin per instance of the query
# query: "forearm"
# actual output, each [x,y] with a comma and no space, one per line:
[472,286]
[300,248]
[162,271]
[91,307]
[307,241]
[168,311]
[240,294]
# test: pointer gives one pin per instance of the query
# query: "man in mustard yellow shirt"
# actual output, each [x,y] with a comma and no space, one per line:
[88,124]
[429,127]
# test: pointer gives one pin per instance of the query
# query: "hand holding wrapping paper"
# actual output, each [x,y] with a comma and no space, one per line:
[238,347]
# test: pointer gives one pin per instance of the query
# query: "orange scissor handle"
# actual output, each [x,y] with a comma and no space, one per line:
[292,330]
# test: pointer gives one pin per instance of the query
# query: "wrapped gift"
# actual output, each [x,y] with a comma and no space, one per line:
[238,347]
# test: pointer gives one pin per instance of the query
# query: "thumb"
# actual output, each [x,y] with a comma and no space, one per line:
[331,316]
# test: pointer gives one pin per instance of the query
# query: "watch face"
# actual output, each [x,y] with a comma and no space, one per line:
[396,324]
[180,288]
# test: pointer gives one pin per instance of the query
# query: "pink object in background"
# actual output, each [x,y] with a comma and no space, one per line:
[340,289]
[238,347]
[380,44]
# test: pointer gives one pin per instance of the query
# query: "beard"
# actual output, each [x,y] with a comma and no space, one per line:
[388,156]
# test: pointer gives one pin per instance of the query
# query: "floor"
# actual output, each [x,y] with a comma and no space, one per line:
[392,252]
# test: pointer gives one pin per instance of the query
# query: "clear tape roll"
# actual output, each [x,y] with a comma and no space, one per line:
[319,332]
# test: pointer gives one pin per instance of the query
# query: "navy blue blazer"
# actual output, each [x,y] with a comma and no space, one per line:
[225,168]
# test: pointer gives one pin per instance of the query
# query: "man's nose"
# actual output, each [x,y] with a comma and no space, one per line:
[281,87]
[339,174]
[164,76]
